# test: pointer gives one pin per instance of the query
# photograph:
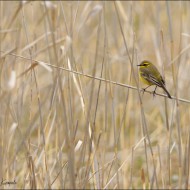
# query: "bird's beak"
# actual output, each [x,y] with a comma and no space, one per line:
[138,65]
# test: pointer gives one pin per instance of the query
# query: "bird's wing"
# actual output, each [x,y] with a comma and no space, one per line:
[151,79]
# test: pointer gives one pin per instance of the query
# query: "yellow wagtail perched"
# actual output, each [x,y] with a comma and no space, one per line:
[150,75]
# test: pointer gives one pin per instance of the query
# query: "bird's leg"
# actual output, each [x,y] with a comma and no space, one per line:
[143,89]
[154,91]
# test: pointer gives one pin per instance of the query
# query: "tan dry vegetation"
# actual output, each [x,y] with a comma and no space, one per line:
[72,115]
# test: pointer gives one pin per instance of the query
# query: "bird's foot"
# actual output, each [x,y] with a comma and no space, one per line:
[142,90]
[154,93]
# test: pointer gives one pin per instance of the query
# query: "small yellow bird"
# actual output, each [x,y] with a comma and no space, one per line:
[150,75]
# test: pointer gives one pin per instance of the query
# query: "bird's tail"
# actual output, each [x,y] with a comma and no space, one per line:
[166,91]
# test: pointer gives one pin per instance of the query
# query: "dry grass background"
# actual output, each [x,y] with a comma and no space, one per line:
[72,115]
